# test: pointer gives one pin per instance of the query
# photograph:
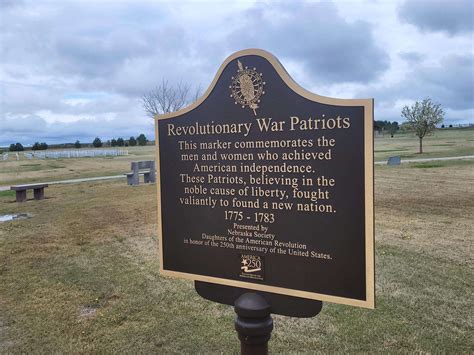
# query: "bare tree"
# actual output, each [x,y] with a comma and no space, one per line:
[166,98]
[423,118]
[197,93]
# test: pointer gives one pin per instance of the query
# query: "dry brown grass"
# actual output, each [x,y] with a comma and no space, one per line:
[430,210]
[440,143]
[82,276]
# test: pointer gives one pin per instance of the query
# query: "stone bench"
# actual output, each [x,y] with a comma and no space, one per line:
[145,168]
[38,191]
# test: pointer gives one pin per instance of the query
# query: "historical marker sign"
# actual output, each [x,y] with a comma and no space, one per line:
[266,186]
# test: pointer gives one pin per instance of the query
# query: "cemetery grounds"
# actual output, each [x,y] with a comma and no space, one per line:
[82,274]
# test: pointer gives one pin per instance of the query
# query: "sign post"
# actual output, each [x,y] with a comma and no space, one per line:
[266,187]
[253,323]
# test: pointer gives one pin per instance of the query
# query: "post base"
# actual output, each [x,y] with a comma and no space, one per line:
[253,324]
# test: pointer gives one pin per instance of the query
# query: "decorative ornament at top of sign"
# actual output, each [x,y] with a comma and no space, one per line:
[247,87]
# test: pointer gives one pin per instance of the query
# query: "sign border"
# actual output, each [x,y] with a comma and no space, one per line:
[368,105]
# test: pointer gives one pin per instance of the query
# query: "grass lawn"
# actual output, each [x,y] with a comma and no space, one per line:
[440,143]
[82,276]
[42,170]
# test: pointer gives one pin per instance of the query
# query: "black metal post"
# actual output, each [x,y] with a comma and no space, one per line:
[253,324]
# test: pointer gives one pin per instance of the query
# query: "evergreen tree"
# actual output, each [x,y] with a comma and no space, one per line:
[97,143]
[142,139]
[19,147]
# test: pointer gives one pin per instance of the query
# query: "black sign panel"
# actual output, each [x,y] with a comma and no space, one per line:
[264,185]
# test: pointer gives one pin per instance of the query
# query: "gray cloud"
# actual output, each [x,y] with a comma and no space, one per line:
[449,83]
[23,99]
[452,81]
[6,4]
[412,57]
[330,48]
[451,16]
[30,129]
[110,50]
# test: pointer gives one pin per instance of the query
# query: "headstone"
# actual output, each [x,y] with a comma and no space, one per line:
[265,186]
[396,160]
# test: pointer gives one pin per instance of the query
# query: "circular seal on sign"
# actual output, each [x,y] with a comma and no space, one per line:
[247,87]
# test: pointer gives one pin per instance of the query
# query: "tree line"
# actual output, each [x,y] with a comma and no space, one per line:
[382,126]
[18,147]
[140,140]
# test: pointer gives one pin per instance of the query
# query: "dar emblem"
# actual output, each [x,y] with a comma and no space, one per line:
[247,87]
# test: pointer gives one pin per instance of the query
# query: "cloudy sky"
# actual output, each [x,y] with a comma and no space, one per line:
[77,69]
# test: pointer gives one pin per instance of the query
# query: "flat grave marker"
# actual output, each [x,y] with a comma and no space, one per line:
[396,160]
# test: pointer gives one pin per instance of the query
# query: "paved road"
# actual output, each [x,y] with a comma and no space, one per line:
[75,181]
[427,159]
